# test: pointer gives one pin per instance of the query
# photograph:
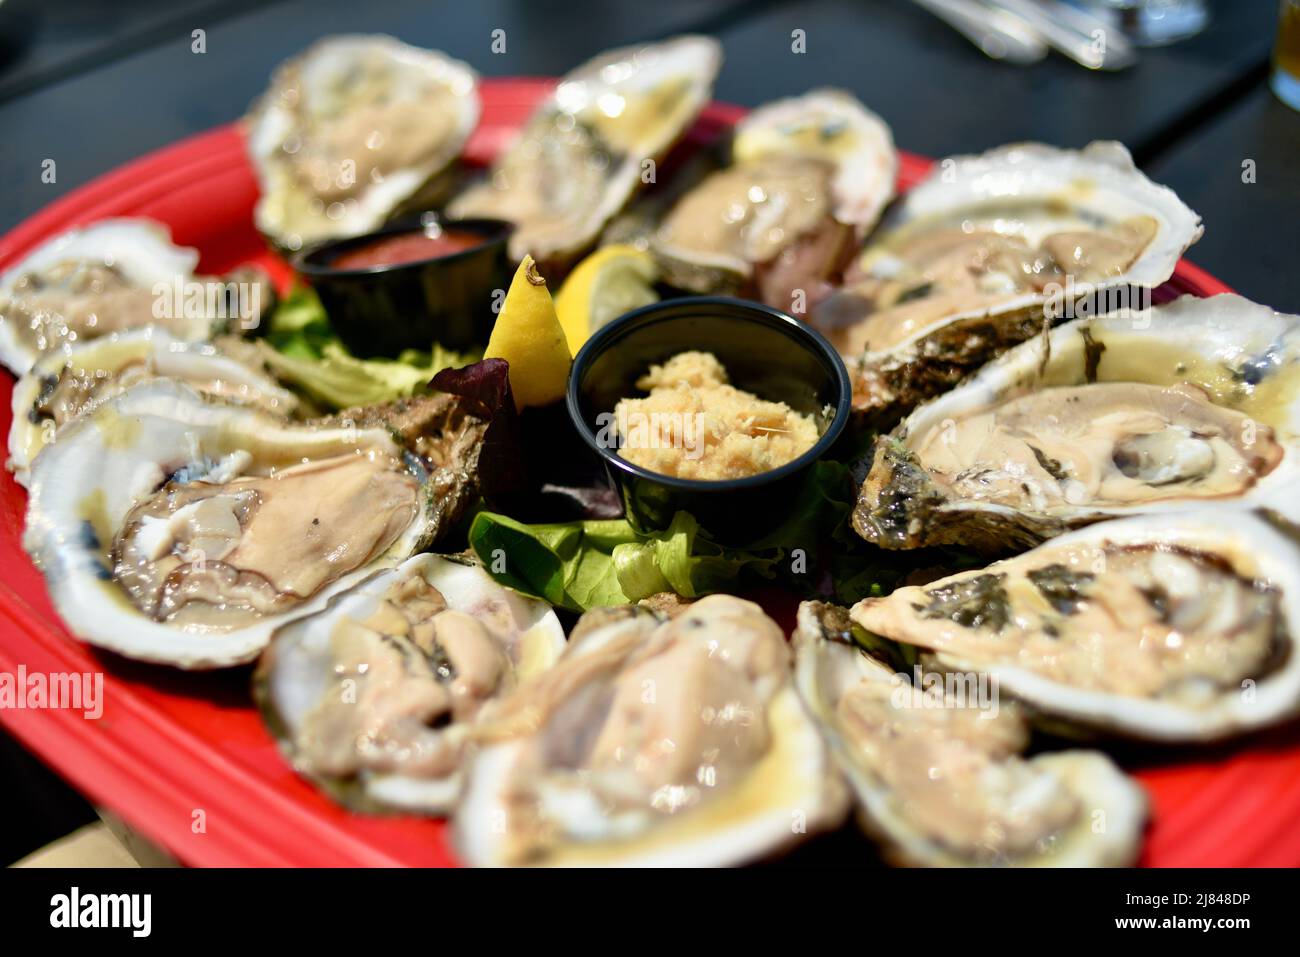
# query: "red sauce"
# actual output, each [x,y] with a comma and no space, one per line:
[407,248]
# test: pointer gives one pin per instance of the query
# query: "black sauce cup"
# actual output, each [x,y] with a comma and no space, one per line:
[447,299]
[764,351]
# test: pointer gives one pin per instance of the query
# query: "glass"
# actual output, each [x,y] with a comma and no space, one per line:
[1285,79]
[1152,23]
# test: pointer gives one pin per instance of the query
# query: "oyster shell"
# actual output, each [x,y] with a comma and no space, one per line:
[835,126]
[1177,627]
[809,176]
[91,282]
[1155,411]
[575,767]
[942,783]
[65,384]
[182,530]
[984,253]
[374,696]
[354,130]
[583,153]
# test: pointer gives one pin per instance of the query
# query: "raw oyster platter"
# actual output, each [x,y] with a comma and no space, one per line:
[443,471]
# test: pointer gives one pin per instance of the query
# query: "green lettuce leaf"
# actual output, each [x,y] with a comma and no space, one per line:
[570,564]
[302,350]
[582,565]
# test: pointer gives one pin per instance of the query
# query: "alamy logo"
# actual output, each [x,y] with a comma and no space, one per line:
[74,909]
[1082,300]
[192,299]
[955,689]
[36,690]
[652,430]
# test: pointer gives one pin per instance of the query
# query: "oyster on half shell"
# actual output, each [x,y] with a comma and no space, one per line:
[374,696]
[652,741]
[584,151]
[941,781]
[985,252]
[1194,401]
[353,131]
[1177,627]
[809,176]
[66,383]
[179,529]
[109,277]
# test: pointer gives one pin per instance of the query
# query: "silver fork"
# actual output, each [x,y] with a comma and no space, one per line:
[1021,31]
[1084,38]
[1000,35]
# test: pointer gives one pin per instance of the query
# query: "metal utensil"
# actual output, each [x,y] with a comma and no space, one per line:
[1084,38]
[999,34]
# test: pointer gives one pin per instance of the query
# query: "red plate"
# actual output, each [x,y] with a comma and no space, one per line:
[184,757]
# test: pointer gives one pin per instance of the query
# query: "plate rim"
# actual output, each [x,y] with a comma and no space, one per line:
[112,766]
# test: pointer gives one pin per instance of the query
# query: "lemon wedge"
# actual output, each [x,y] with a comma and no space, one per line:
[608,283]
[527,335]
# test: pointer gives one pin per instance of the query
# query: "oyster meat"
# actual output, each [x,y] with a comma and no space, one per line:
[987,250]
[354,131]
[115,275]
[834,126]
[809,176]
[176,528]
[941,781]
[66,383]
[374,696]
[1174,627]
[653,741]
[592,144]
[1194,401]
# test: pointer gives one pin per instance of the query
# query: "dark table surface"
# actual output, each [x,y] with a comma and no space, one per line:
[97,84]
[92,84]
